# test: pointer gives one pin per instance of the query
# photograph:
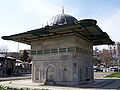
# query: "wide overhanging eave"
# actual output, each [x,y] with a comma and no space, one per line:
[86,28]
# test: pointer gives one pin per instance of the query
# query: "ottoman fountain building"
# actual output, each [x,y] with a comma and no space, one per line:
[62,51]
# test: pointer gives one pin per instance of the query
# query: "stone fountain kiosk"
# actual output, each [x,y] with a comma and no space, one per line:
[62,52]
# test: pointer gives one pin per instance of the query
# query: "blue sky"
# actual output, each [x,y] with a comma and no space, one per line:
[23,15]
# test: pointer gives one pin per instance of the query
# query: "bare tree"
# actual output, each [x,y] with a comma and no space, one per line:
[106,58]
[4,49]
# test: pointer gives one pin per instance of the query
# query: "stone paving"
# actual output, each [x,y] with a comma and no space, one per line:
[98,75]
[99,83]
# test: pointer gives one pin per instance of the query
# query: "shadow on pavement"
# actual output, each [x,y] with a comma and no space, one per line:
[96,84]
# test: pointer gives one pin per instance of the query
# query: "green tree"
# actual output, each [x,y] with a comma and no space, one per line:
[25,56]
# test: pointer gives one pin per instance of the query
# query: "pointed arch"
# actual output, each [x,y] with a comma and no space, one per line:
[50,73]
[36,73]
[65,73]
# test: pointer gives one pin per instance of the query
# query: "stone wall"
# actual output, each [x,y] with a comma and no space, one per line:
[70,62]
[58,42]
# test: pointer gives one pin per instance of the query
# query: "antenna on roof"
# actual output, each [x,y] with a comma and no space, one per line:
[62,10]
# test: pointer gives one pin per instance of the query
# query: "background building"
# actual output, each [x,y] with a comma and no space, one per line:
[114,50]
[7,65]
[109,57]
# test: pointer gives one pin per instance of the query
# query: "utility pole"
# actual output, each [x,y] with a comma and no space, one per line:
[118,62]
[118,57]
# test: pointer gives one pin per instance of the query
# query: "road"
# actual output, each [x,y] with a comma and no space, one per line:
[27,76]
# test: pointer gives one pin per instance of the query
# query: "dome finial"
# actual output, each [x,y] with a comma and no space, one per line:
[63,10]
[47,22]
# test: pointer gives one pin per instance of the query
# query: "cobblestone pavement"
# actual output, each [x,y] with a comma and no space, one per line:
[99,83]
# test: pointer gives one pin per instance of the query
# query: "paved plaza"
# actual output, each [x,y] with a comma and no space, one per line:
[99,83]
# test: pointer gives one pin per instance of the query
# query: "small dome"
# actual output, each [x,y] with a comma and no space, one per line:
[62,19]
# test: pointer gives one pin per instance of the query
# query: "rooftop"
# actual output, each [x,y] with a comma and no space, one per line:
[62,19]
[63,24]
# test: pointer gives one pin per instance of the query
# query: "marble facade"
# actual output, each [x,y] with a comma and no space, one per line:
[62,59]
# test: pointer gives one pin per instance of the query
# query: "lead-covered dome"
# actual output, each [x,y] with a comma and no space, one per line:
[62,19]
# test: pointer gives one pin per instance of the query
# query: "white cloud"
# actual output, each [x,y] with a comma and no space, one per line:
[13,46]
[18,16]
[40,10]
[23,15]
[111,26]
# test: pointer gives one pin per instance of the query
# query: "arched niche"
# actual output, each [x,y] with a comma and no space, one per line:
[65,73]
[50,73]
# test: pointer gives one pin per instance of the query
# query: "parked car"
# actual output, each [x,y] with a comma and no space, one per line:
[114,69]
[98,70]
